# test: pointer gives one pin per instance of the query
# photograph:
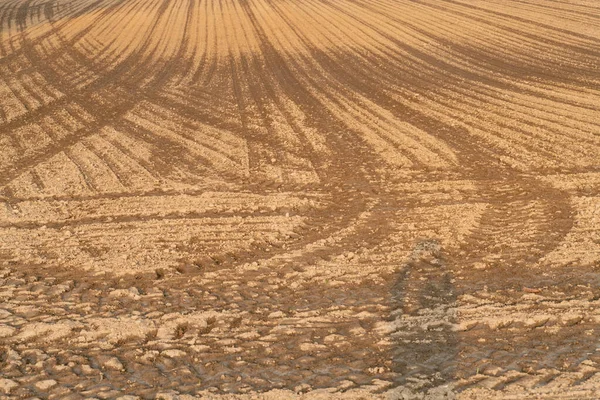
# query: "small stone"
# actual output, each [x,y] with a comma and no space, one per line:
[6,331]
[131,293]
[312,347]
[570,319]
[12,356]
[493,371]
[174,353]
[302,388]
[113,363]
[7,385]
[88,370]
[277,314]
[46,384]
[358,331]
[479,265]
[333,338]
[536,322]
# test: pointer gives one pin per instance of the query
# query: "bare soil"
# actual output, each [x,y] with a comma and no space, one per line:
[316,199]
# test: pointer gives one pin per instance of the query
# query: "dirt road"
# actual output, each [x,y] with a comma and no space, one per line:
[299,199]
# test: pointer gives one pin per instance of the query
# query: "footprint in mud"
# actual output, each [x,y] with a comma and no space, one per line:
[425,345]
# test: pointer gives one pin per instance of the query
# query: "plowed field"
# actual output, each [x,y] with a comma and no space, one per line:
[300,198]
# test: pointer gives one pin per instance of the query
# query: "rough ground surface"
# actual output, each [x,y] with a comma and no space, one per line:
[299,198]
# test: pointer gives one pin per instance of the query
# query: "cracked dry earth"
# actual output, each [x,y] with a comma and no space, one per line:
[299,199]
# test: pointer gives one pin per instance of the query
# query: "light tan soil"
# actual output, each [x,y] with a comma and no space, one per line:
[316,199]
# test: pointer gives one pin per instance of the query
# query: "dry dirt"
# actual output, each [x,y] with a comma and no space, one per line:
[309,199]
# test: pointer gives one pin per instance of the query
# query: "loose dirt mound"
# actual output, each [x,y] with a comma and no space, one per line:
[313,199]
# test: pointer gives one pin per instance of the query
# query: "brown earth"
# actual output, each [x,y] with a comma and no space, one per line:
[300,199]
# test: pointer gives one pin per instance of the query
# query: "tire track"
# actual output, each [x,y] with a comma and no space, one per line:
[83,98]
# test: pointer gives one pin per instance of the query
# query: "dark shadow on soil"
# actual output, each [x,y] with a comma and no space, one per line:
[423,299]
